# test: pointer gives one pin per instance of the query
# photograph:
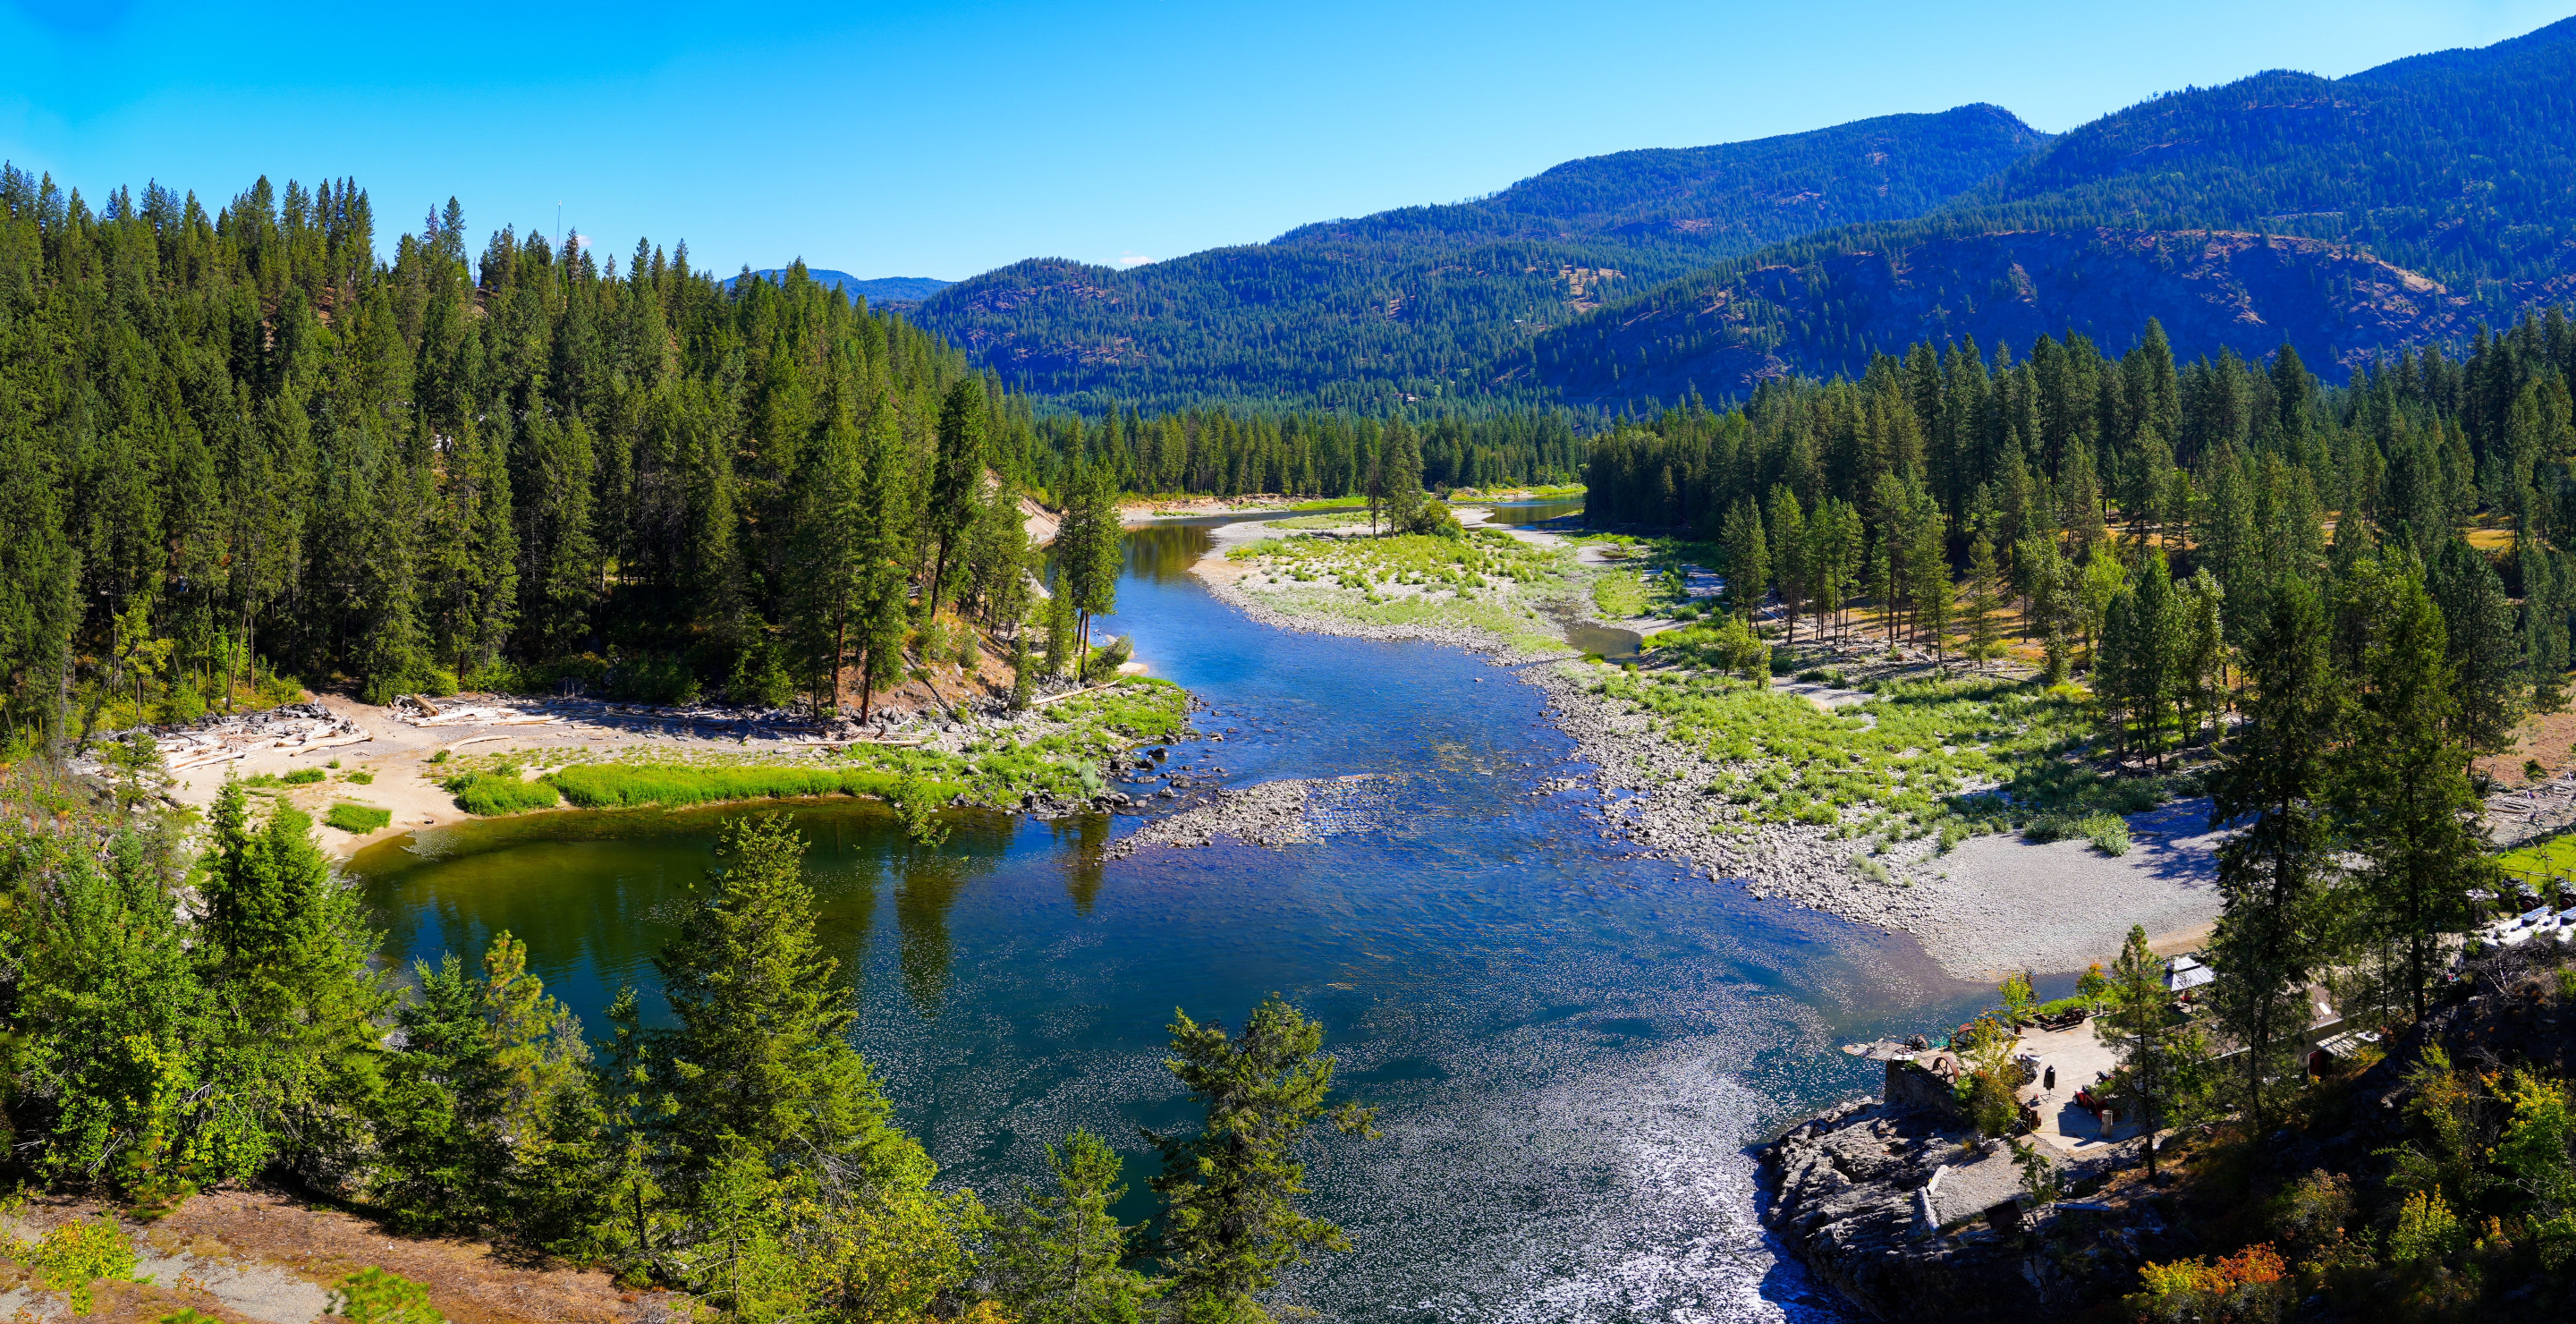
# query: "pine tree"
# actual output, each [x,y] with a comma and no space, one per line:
[295,1043]
[1748,559]
[2407,789]
[1789,565]
[1926,572]
[1985,601]
[1059,1257]
[2274,873]
[881,551]
[473,1100]
[1401,479]
[830,521]
[955,481]
[1230,1191]
[2156,645]
[2485,658]
[1825,562]
[2161,1056]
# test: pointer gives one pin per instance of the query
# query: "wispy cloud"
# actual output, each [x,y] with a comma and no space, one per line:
[1132,259]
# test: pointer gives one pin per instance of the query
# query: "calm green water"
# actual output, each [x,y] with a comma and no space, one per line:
[1569,1049]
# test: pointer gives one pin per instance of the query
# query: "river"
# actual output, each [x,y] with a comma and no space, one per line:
[1569,1049]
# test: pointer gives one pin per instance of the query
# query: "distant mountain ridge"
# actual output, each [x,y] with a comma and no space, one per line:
[880,292]
[1420,300]
[2405,203]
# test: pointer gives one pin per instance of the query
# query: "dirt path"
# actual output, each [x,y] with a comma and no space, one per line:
[258,1256]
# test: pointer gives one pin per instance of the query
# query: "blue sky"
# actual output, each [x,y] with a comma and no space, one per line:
[941,140]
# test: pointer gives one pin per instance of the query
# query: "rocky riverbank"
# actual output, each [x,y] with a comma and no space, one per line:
[1996,904]
[1904,1212]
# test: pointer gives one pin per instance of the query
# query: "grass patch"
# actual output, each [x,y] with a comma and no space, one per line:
[500,791]
[1621,594]
[675,786]
[361,777]
[1902,760]
[2108,832]
[2540,862]
[1339,520]
[357,819]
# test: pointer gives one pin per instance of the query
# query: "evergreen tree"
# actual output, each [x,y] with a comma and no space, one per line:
[1789,564]
[1401,480]
[1230,1191]
[881,551]
[1059,1257]
[1985,601]
[956,480]
[1748,559]
[490,1066]
[2414,816]
[294,1033]
[2155,647]
[2161,1056]
[839,576]
[2276,775]
[2485,660]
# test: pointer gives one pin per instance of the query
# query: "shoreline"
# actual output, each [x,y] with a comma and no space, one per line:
[404,762]
[1993,905]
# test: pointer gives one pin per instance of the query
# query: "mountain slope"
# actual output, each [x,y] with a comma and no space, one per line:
[1417,300]
[2450,177]
[880,292]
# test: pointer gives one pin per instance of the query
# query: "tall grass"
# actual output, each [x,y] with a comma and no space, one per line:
[629,785]
[357,819]
[486,794]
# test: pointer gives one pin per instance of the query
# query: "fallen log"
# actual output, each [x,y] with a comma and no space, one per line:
[1071,694]
[358,739]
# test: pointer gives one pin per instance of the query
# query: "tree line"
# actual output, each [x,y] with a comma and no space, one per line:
[2055,481]
[180,1018]
[238,444]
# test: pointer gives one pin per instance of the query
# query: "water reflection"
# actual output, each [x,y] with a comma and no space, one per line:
[1569,1047]
[1082,845]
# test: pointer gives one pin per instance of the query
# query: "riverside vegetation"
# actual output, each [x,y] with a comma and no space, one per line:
[2328,690]
[1056,751]
[182,1017]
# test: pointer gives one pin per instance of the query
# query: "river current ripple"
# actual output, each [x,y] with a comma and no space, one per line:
[1569,1049]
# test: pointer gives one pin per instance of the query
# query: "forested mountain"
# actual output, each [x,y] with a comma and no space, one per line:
[883,292]
[238,440]
[1417,301]
[2424,195]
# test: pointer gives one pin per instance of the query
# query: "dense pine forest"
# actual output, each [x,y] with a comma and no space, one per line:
[239,444]
[2053,479]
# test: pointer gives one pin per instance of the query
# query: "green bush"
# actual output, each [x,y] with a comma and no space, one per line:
[379,1296]
[357,819]
[655,678]
[361,777]
[489,794]
[75,1256]
[302,777]
[2109,833]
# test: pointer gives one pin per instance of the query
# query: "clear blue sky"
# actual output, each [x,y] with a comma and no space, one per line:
[941,140]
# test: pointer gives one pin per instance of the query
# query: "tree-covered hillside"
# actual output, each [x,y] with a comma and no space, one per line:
[1416,301]
[884,292]
[2451,167]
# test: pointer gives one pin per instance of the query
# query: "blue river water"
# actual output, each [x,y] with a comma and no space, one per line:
[1569,1049]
